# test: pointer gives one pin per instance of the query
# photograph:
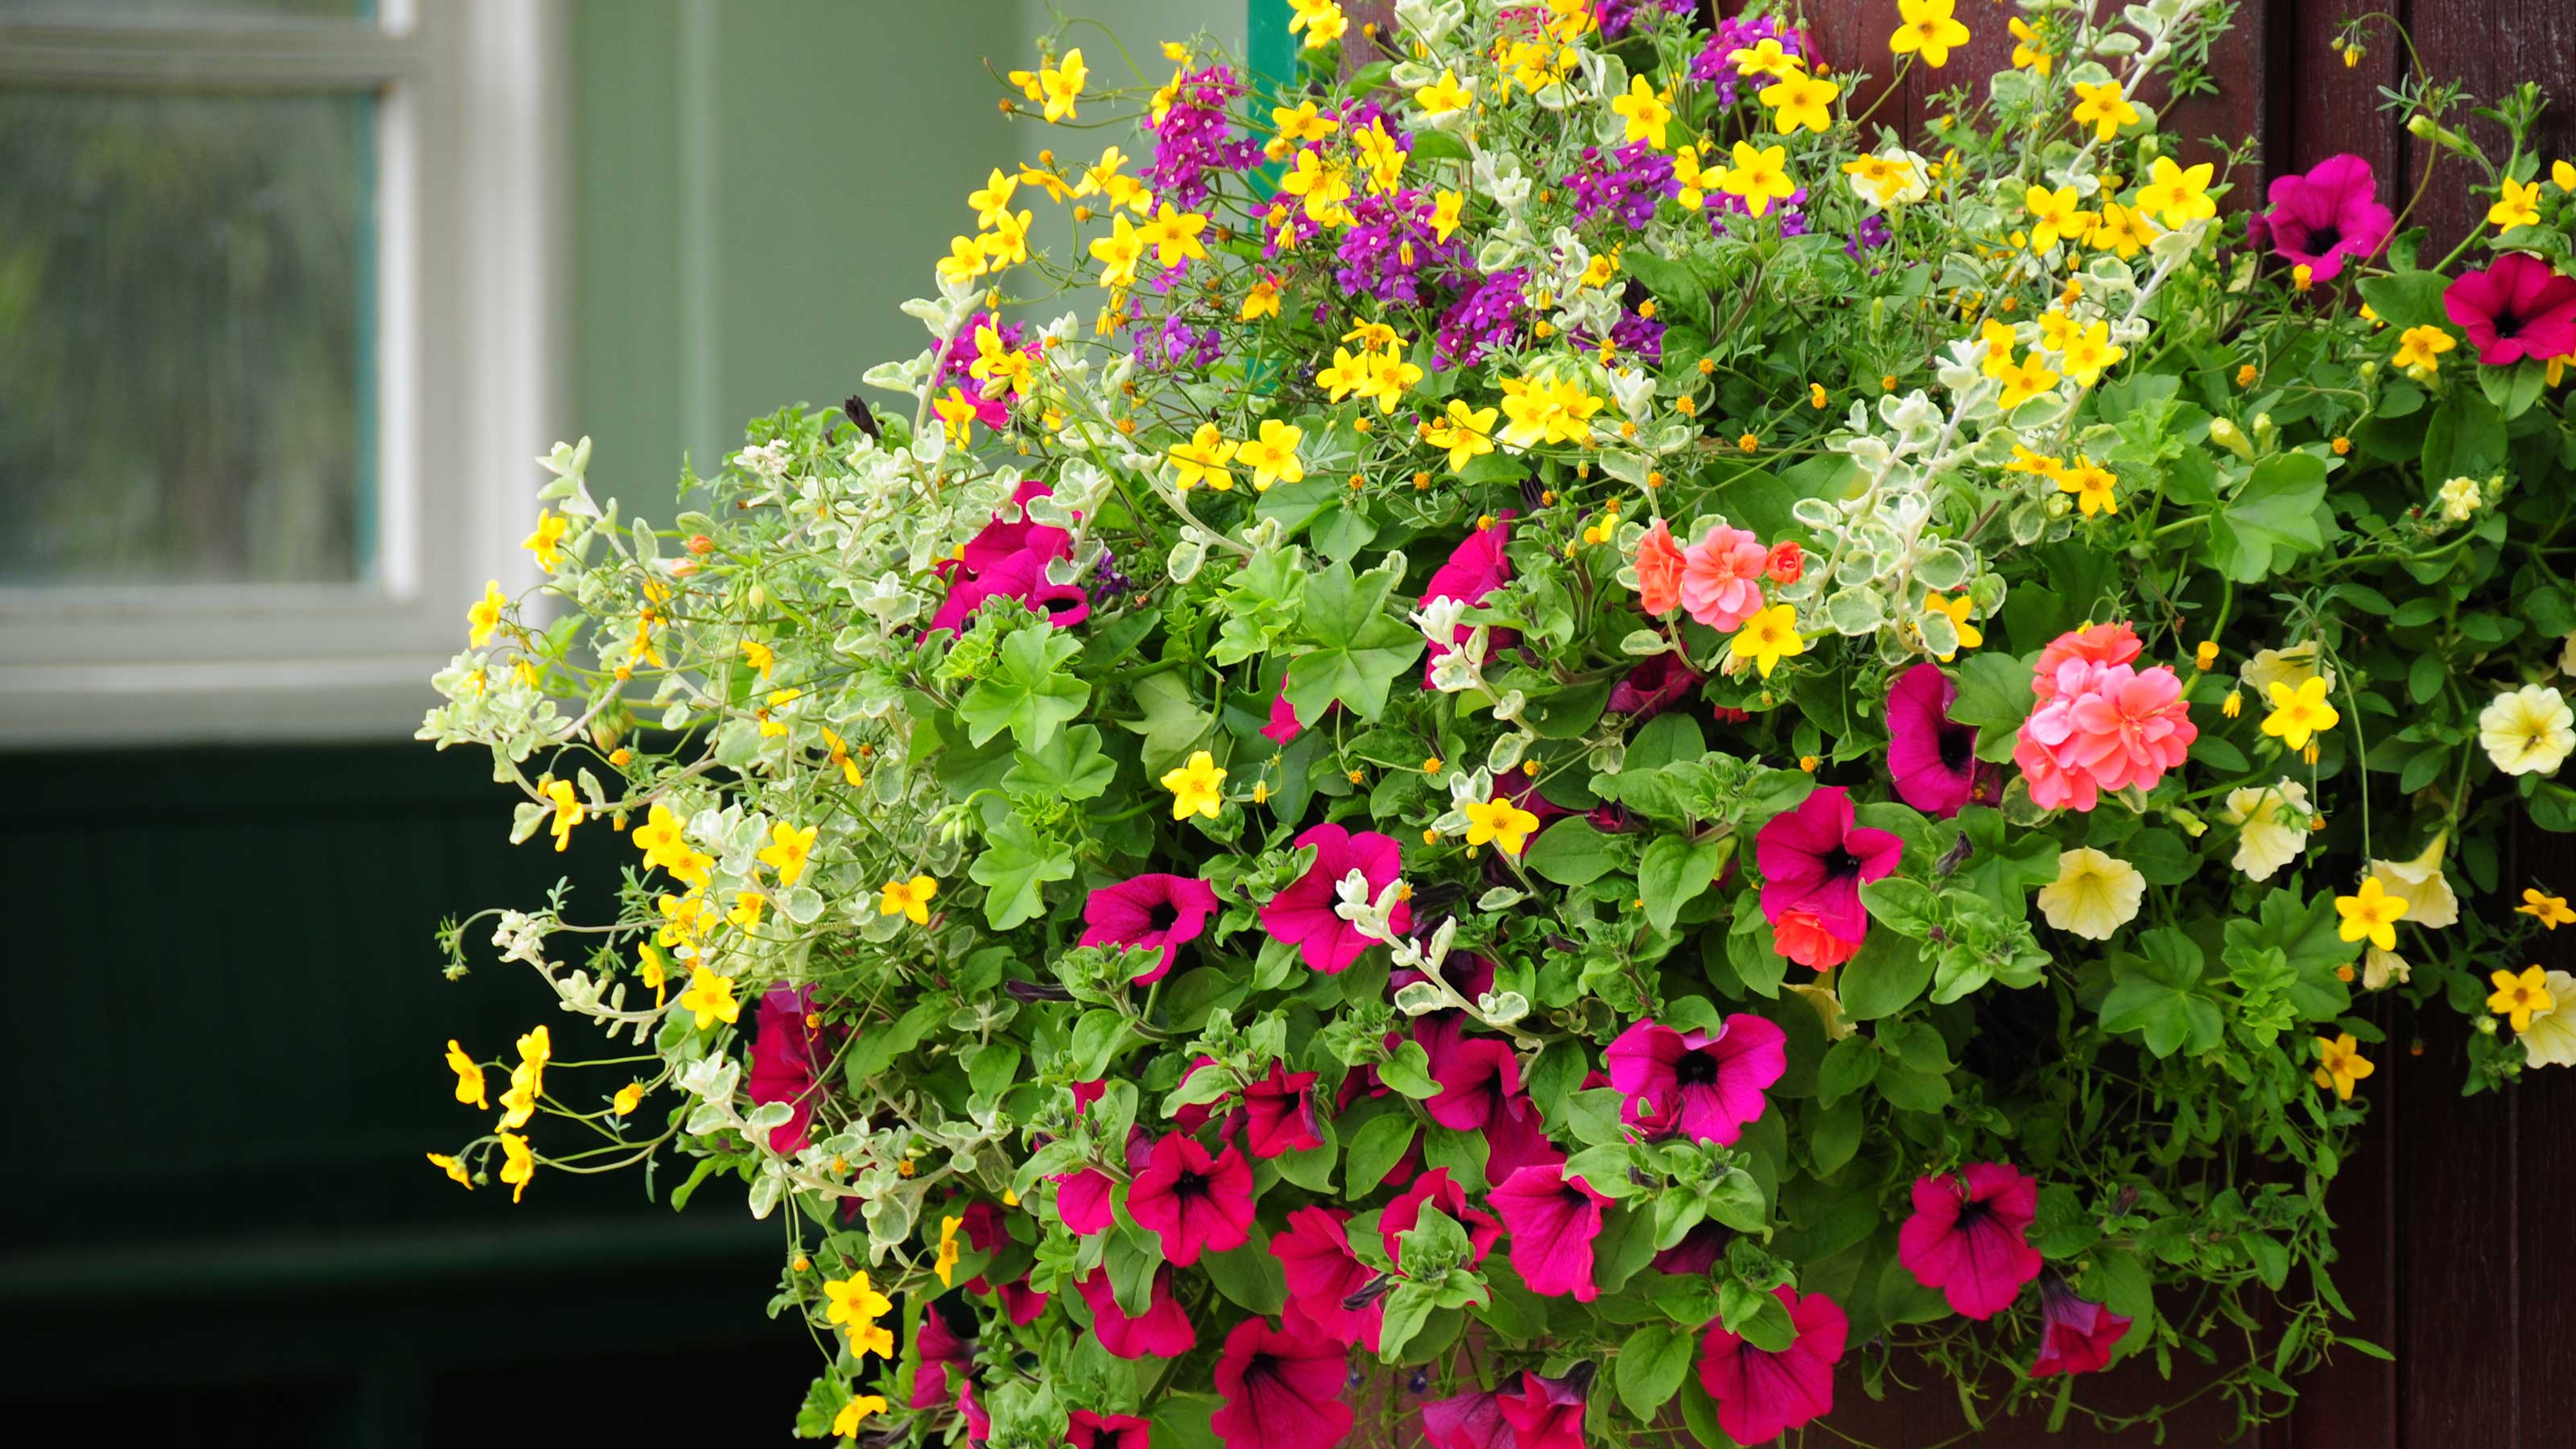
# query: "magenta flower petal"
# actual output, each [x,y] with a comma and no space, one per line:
[1761,1394]
[783,1050]
[1552,1219]
[1162,1331]
[1279,1113]
[1814,858]
[2515,309]
[2076,1336]
[1149,912]
[1437,1189]
[1193,1202]
[1544,1414]
[1303,915]
[2329,214]
[1282,1389]
[1086,1430]
[1476,567]
[1969,1234]
[1933,758]
[1705,1086]
[1472,1420]
[1323,1273]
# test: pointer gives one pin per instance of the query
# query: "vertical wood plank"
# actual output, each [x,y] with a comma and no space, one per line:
[2455,1230]
[2351,1402]
[2489,46]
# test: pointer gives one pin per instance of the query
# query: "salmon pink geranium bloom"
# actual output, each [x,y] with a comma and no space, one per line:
[1660,562]
[1722,578]
[2100,726]
[1801,936]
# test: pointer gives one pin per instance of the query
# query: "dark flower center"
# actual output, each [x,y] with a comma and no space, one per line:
[2323,239]
[1190,1184]
[1973,1214]
[1958,748]
[1839,862]
[1695,1069]
[2508,325]
[1163,916]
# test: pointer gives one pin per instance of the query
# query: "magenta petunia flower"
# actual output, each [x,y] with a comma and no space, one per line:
[1303,913]
[979,1424]
[1934,758]
[1552,1218]
[1437,1189]
[936,1349]
[2076,1336]
[1968,1237]
[1162,1331]
[1480,1091]
[1815,857]
[1544,1413]
[1763,1394]
[1082,1201]
[1472,1420]
[1009,560]
[2332,212]
[1021,1303]
[1323,1276]
[783,1051]
[1149,912]
[1655,685]
[1284,726]
[1708,1086]
[1476,567]
[1193,1202]
[1279,1113]
[1084,1429]
[1696,1253]
[2515,309]
[1282,1389]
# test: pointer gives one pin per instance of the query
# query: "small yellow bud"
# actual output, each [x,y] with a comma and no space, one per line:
[1808,763]
[621,757]
[1431,765]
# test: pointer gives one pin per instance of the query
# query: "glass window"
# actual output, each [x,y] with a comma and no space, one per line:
[187,380]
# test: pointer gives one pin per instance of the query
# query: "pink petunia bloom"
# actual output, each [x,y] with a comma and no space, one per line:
[1162,1331]
[1149,913]
[1086,1093]
[1083,1197]
[1762,1394]
[1438,1190]
[1815,857]
[1709,1085]
[1544,1413]
[1476,567]
[1969,1234]
[1659,571]
[1279,1113]
[983,1226]
[1323,1274]
[1658,683]
[2332,212]
[2518,308]
[1282,1389]
[1303,913]
[1722,578]
[979,1424]
[1801,937]
[1194,1202]
[1933,757]
[1008,560]
[1472,1420]
[2103,727]
[1284,726]
[936,1349]
[783,1052]
[2094,644]
[1480,1091]
[1552,1218]
[1023,1304]
[1696,1253]
[2076,1335]
[1084,1429]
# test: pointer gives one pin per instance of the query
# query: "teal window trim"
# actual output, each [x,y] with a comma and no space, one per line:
[1268,47]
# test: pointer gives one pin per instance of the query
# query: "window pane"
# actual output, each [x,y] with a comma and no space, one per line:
[187,378]
[86,12]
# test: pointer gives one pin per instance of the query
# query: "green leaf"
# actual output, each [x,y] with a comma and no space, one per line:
[1901,905]
[1172,722]
[2407,299]
[1848,1067]
[1374,1151]
[2271,520]
[1675,870]
[1357,650]
[1756,1315]
[2152,995]
[2466,438]
[1884,978]
[1071,767]
[1834,1137]
[1651,1366]
[877,1046]
[1027,691]
[1249,1275]
[1995,696]
[1572,853]
[1665,738]
[1017,860]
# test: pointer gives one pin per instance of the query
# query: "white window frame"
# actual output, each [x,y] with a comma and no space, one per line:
[471,132]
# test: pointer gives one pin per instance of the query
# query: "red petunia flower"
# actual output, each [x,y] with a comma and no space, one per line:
[2076,1336]
[1162,1331]
[1193,1202]
[1323,1275]
[1282,1389]
[1552,1218]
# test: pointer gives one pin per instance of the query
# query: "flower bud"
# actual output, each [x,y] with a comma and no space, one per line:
[2225,433]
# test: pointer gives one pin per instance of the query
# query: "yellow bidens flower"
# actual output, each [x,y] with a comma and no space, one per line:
[2551,911]
[2520,998]
[854,1301]
[709,997]
[1322,20]
[1118,253]
[469,1073]
[2370,914]
[1446,94]
[788,850]
[2054,215]
[484,615]
[518,1164]
[1467,433]
[1500,821]
[547,542]
[1956,611]
[908,898]
[1272,455]
[568,811]
[857,1411]
[1174,236]
[1770,636]
[1758,177]
[2102,107]
[1262,301]
[1929,30]
[662,837]
[2029,52]
[2422,346]
[759,656]
[2300,712]
[1649,115]
[1061,85]
[2205,657]
[945,1265]
[1801,100]
[2340,1064]
[1544,412]
[2517,204]
[2091,485]
[1202,460]
[1197,787]
[2176,195]
[454,1167]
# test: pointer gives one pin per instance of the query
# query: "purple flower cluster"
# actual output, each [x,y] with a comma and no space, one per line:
[1792,212]
[1872,233]
[1629,183]
[1640,336]
[1194,137]
[1734,34]
[1174,344]
[1615,16]
[1391,245]
[954,365]
[1486,315]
